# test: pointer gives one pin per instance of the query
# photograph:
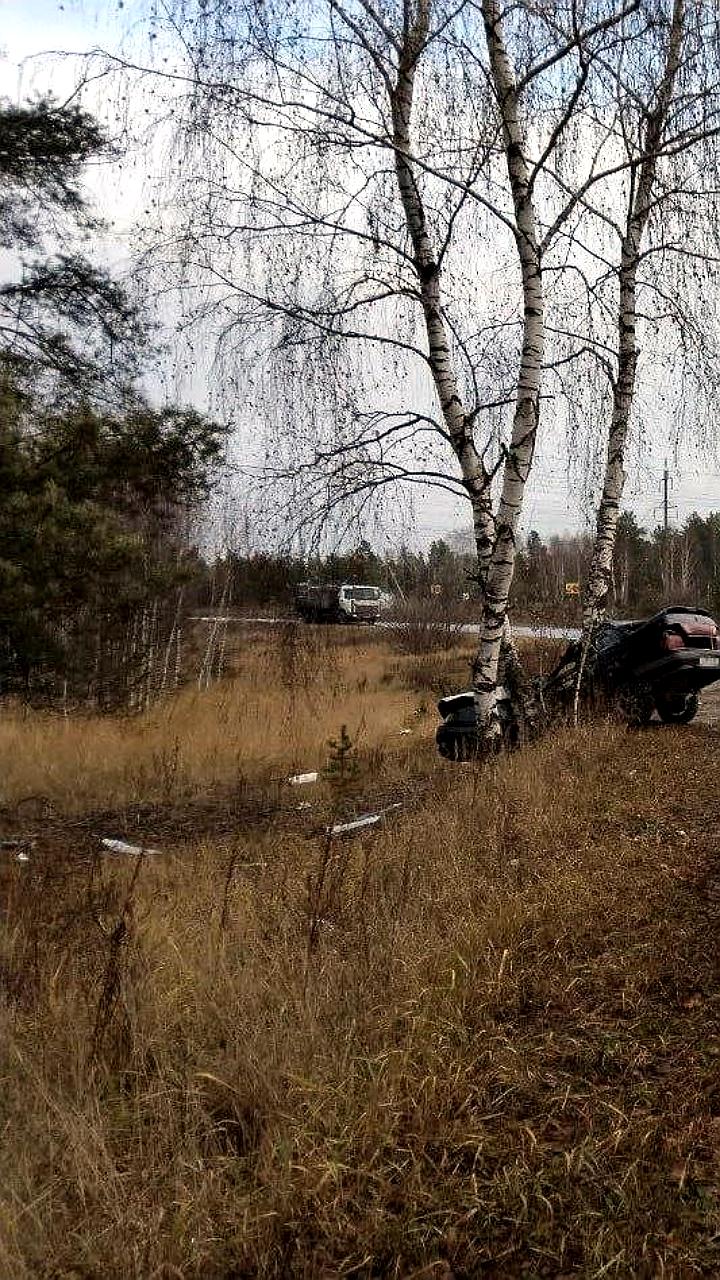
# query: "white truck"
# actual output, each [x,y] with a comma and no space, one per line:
[338,602]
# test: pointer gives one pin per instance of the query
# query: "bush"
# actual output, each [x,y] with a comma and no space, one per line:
[426,626]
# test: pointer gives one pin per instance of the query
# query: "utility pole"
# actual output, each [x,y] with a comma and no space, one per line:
[668,551]
[667,484]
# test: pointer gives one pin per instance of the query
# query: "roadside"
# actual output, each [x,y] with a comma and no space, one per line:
[709,712]
[520,630]
[480,1037]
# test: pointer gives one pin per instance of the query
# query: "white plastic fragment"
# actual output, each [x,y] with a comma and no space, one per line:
[121,846]
[23,846]
[299,779]
[342,828]
[358,824]
[302,807]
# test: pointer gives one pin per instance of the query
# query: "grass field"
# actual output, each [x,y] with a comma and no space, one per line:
[288,697]
[481,1039]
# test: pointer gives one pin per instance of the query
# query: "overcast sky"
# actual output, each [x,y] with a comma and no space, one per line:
[34,28]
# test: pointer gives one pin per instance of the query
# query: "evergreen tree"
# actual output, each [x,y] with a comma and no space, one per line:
[91,537]
[70,328]
[97,485]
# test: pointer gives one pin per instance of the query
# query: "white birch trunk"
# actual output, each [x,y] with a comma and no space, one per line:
[600,573]
[133,647]
[171,639]
[206,669]
[685,563]
[178,657]
[525,422]
[151,656]
[599,578]
[457,420]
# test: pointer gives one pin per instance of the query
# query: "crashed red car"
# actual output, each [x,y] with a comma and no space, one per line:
[657,664]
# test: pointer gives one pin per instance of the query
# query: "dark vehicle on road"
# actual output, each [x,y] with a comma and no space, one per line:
[658,664]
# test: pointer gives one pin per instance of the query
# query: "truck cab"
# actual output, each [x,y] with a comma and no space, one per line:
[361,603]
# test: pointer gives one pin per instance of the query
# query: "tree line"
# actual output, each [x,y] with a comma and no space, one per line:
[650,569]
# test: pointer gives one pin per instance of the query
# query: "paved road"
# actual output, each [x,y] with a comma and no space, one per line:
[469,628]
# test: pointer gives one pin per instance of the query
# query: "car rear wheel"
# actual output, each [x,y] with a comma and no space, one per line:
[680,709]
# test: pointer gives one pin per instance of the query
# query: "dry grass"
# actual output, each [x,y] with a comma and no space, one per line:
[288,696]
[480,1041]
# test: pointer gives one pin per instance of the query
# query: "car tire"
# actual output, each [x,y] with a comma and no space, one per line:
[671,713]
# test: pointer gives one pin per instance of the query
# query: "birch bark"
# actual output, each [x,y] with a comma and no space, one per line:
[641,196]
[429,271]
[520,451]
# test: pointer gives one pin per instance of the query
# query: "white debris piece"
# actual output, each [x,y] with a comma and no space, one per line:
[21,845]
[358,824]
[299,779]
[342,828]
[121,846]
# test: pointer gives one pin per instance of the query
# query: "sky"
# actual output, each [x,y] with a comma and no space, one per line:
[32,31]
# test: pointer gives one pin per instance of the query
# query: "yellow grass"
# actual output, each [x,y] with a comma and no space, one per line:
[481,1040]
[276,715]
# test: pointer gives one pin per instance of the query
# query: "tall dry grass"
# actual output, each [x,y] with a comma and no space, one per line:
[480,1041]
[288,695]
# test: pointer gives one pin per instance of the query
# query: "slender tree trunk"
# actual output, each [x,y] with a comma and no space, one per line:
[520,452]
[641,195]
[178,659]
[600,573]
[206,668]
[429,271]
[685,564]
[174,629]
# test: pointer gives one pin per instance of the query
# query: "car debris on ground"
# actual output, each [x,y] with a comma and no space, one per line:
[363,822]
[122,846]
[20,846]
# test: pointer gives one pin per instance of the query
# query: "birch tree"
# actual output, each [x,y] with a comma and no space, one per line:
[518,461]
[666,237]
[343,169]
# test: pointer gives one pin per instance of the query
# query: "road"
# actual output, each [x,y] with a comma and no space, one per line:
[469,628]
